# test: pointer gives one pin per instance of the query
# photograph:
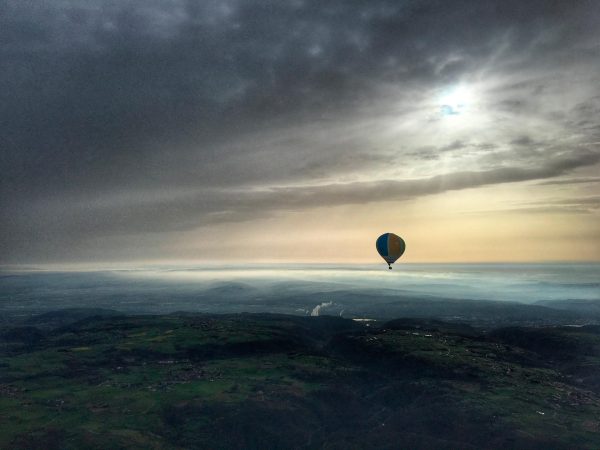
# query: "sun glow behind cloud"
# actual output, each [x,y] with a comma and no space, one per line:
[456,101]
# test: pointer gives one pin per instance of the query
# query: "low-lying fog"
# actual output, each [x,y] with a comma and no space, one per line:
[350,291]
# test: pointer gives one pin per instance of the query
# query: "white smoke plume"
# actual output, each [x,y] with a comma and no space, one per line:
[317,309]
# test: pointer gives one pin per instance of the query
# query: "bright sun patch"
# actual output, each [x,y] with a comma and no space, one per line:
[455,101]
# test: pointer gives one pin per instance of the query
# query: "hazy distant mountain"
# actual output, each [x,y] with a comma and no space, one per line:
[588,307]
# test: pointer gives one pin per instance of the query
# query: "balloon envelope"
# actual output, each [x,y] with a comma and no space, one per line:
[390,247]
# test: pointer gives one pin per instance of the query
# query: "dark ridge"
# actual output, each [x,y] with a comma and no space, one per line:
[432,325]
[63,317]
[25,335]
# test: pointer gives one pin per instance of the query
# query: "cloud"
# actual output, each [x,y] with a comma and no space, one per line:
[581,205]
[572,181]
[147,116]
[192,210]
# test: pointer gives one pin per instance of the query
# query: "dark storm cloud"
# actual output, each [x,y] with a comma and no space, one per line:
[105,103]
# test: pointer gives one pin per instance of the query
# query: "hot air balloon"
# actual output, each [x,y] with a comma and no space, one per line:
[390,247]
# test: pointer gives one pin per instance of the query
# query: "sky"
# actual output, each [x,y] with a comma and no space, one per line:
[298,131]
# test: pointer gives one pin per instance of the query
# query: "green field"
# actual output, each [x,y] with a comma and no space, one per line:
[269,381]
